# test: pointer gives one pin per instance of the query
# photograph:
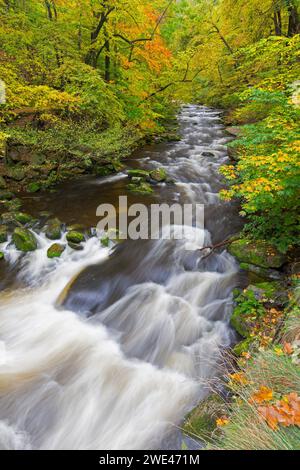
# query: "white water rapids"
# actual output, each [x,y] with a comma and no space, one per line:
[125,377]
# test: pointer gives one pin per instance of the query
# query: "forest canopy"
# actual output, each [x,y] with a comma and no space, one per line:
[84,76]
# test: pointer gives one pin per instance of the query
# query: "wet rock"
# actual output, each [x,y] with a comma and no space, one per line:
[3,234]
[75,246]
[16,174]
[140,188]
[24,240]
[240,324]
[2,183]
[13,205]
[256,273]
[234,130]
[258,253]
[23,218]
[33,187]
[6,195]
[1,256]
[75,237]
[208,154]
[53,229]
[7,218]
[233,153]
[159,175]
[56,250]
[137,173]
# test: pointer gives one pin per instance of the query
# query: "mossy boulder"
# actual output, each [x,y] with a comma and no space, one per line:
[24,240]
[7,217]
[140,188]
[1,256]
[201,421]
[138,173]
[23,218]
[6,195]
[55,250]
[258,274]
[3,234]
[243,346]
[53,229]
[240,323]
[159,175]
[2,183]
[75,237]
[33,187]
[258,253]
[13,205]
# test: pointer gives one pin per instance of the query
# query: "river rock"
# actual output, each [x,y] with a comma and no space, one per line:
[13,205]
[75,246]
[7,217]
[2,183]
[1,256]
[75,237]
[140,188]
[256,273]
[137,173]
[159,175]
[23,218]
[3,234]
[24,240]
[53,229]
[56,250]
[208,154]
[6,195]
[257,253]
[33,187]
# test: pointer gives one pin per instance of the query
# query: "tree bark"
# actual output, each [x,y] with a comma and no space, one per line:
[294,21]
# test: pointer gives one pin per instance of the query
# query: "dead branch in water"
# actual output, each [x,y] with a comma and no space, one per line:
[213,248]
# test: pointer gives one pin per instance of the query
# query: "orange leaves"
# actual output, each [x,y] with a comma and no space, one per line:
[285,412]
[223,421]
[264,394]
[288,349]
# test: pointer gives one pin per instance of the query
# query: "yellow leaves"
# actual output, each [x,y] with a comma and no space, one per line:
[223,421]
[239,378]
[263,395]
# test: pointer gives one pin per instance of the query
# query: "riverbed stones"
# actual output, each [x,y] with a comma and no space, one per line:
[23,218]
[53,229]
[2,183]
[56,250]
[138,173]
[75,246]
[1,256]
[33,187]
[24,240]
[159,175]
[13,205]
[3,234]
[6,195]
[142,187]
[258,253]
[75,237]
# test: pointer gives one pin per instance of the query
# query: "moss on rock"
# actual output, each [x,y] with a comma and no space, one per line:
[258,253]
[56,250]
[140,188]
[1,256]
[53,229]
[24,240]
[75,237]
[34,187]
[201,422]
[159,175]
[23,218]
[3,234]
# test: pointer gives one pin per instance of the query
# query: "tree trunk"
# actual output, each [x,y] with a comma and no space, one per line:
[294,21]
[107,61]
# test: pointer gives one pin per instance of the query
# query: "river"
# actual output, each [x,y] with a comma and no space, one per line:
[118,357]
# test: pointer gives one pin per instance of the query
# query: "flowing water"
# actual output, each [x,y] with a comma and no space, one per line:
[116,358]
